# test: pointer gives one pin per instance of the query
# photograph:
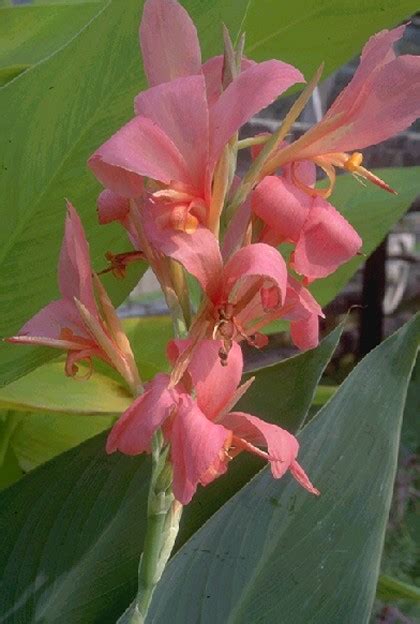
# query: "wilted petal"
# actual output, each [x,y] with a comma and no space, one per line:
[74,271]
[197,449]
[179,108]
[133,432]
[169,42]
[138,149]
[252,90]
[326,241]
[282,206]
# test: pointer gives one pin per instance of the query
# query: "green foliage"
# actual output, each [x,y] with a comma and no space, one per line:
[28,34]
[91,508]
[273,549]
[307,32]
[47,389]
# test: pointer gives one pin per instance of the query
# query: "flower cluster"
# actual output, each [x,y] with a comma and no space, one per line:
[169,178]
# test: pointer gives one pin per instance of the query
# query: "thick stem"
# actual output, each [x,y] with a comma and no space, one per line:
[163,516]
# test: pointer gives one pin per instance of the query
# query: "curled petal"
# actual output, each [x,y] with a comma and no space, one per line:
[256,260]
[305,333]
[282,206]
[169,42]
[327,240]
[132,433]
[198,449]
[45,328]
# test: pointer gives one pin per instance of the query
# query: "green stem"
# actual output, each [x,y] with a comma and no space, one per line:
[163,516]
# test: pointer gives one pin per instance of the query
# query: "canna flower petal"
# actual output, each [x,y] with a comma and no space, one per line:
[326,241]
[139,149]
[198,449]
[282,206]
[305,333]
[380,100]
[112,207]
[212,71]
[215,385]
[169,42]
[74,270]
[282,446]
[256,261]
[179,109]
[254,89]
[133,432]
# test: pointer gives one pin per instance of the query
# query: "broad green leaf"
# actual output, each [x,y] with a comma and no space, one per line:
[48,389]
[39,437]
[29,34]
[11,71]
[90,508]
[307,32]
[372,212]
[390,589]
[273,549]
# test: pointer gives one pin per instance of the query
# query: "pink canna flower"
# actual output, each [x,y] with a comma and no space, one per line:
[381,99]
[73,323]
[202,432]
[322,237]
[184,120]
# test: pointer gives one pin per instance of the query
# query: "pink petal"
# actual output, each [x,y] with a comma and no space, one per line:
[169,42]
[236,229]
[112,207]
[256,260]
[212,72]
[199,252]
[179,108]
[132,434]
[282,446]
[140,148]
[327,240]
[299,304]
[282,206]
[252,90]
[74,270]
[215,385]
[302,478]
[377,52]
[197,449]
[305,333]
[47,324]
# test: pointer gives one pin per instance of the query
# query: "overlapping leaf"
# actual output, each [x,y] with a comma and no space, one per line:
[273,553]
[88,510]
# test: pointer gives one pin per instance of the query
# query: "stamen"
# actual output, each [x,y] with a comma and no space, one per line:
[353,162]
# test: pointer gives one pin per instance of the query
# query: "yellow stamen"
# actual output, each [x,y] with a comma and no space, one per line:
[353,162]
